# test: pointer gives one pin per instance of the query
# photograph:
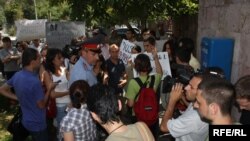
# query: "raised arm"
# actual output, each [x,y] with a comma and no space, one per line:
[175,96]
[157,63]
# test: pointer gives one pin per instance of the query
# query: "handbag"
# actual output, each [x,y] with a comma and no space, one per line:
[51,105]
[51,108]
[16,127]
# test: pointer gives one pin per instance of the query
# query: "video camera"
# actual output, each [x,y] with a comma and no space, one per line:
[70,50]
[181,74]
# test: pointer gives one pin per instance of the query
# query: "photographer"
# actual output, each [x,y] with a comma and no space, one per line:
[179,128]
[182,73]
[71,53]
[182,66]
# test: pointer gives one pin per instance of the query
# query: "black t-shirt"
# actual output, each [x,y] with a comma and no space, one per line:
[245,117]
[115,73]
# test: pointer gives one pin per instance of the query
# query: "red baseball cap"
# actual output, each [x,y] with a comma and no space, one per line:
[92,47]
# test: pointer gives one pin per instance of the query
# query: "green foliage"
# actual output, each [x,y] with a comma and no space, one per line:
[122,11]
[60,11]
[2,2]
[28,9]
[13,11]
[98,12]
[11,30]
[43,9]
[182,7]
[25,9]
[2,17]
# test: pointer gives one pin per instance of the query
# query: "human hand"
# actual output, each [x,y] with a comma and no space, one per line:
[7,58]
[176,92]
[73,59]
[105,79]
[154,52]
[122,83]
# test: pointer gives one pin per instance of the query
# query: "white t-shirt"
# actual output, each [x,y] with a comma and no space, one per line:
[61,87]
[188,126]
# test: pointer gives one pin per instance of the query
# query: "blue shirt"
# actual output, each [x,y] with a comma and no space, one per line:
[82,71]
[29,91]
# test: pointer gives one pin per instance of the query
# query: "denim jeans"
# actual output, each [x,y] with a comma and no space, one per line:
[60,114]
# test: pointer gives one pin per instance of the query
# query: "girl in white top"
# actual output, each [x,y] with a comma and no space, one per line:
[55,72]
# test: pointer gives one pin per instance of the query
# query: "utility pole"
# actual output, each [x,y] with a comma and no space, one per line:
[35,8]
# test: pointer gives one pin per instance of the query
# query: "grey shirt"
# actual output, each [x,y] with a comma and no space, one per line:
[11,65]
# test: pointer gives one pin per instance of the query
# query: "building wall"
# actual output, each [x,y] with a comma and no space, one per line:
[227,18]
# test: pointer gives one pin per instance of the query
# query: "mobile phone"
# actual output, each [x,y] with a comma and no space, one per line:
[58,81]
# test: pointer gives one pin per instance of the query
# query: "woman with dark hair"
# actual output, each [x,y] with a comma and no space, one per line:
[78,125]
[99,70]
[105,109]
[169,47]
[56,72]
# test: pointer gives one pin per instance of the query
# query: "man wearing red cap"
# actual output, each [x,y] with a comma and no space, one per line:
[83,69]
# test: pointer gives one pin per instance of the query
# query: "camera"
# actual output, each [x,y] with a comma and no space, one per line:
[181,74]
[70,50]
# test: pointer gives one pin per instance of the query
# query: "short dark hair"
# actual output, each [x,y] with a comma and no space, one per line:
[131,30]
[78,93]
[151,40]
[137,48]
[242,87]
[145,30]
[218,90]
[187,43]
[183,54]
[29,54]
[198,75]
[103,102]
[6,39]
[142,63]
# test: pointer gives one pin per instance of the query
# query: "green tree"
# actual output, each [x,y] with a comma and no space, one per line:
[2,2]
[28,9]
[53,11]
[122,11]
[13,11]
[2,17]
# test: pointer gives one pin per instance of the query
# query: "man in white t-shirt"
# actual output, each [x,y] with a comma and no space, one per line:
[188,126]
[36,44]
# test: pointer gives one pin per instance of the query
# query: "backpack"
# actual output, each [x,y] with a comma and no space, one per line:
[146,107]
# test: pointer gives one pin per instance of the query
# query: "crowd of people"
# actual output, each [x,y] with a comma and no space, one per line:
[94,92]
